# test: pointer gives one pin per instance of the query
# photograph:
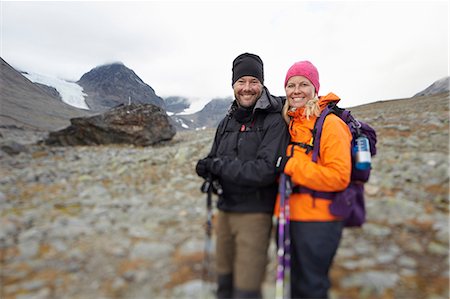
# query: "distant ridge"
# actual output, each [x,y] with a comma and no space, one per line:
[208,117]
[440,86]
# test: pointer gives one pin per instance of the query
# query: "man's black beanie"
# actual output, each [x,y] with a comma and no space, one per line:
[248,65]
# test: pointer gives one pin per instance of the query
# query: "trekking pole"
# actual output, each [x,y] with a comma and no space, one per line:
[287,237]
[279,286]
[207,188]
[282,288]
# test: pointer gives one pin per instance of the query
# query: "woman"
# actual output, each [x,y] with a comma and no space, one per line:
[315,233]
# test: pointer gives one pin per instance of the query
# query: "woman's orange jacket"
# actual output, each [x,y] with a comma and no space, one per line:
[331,172]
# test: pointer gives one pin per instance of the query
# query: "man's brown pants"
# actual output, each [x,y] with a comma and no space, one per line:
[241,247]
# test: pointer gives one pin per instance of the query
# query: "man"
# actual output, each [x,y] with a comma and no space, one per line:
[243,157]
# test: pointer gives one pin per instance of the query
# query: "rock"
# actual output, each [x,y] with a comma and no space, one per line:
[191,247]
[152,251]
[192,289]
[373,280]
[2,198]
[29,249]
[137,124]
[12,147]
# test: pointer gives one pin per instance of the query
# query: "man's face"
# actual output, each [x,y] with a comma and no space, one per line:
[247,91]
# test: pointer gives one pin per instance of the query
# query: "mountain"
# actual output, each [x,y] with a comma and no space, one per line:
[208,117]
[176,104]
[438,87]
[109,85]
[28,105]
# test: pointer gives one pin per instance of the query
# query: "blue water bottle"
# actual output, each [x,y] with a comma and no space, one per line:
[362,153]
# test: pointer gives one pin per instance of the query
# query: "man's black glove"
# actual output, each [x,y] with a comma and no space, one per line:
[202,167]
[281,164]
[209,166]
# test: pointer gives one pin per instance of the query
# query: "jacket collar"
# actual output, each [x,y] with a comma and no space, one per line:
[263,103]
[323,103]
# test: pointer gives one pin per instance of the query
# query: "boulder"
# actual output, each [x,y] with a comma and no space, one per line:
[138,124]
[12,148]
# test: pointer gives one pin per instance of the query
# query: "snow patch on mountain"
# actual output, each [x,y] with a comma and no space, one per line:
[196,106]
[71,93]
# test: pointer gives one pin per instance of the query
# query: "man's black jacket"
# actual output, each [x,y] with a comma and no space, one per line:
[249,148]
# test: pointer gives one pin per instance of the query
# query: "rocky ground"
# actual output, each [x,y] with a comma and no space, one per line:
[127,222]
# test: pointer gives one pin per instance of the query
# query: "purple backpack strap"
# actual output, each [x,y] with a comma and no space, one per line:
[313,193]
[318,127]
[345,115]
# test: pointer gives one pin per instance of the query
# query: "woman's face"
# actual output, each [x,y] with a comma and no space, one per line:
[299,90]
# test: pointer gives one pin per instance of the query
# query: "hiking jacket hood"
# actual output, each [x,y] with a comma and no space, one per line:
[249,150]
[332,171]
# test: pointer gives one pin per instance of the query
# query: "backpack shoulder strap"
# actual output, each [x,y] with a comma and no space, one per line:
[318,126]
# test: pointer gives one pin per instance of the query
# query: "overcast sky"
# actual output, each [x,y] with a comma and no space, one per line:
[365,51]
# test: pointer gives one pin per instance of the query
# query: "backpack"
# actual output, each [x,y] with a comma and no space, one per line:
[349,203]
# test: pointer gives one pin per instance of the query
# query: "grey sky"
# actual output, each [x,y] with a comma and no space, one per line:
[365,51]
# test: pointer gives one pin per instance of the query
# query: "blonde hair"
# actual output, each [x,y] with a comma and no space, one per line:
[311,108]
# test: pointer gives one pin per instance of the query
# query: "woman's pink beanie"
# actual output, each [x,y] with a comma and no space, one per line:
[305,69]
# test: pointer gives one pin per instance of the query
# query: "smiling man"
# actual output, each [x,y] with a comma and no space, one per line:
[242,160]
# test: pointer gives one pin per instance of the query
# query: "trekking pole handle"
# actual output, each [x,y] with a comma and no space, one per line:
[206,186]
[217,187]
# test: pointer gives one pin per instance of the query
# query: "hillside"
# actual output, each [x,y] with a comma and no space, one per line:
[28,105]
[439,86]
[128,222]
